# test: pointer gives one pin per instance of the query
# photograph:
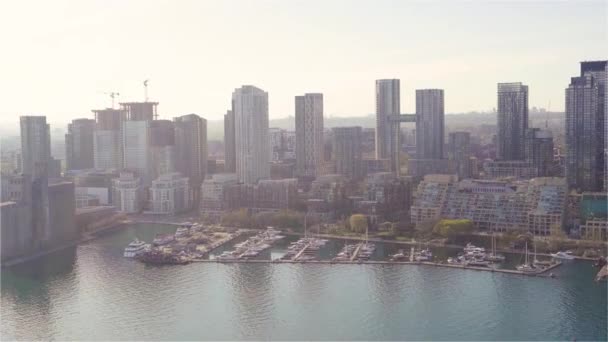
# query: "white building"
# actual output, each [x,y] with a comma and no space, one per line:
[127,193]
[213,192]
[136,147]
[169,194]
[251,134]
[309,134]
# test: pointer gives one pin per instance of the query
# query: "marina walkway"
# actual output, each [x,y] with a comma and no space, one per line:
[542,273]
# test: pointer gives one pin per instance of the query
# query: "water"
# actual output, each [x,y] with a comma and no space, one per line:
[92,293]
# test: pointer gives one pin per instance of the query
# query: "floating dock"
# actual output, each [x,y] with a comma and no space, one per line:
[541,273]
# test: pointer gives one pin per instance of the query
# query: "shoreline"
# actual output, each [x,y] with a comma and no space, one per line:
[86,237]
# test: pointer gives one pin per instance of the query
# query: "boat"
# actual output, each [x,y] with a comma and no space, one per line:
[423,255]
[135,248]
[182,232]
[157,257]
[163,239]
[567,255]
[526,266]
[399,256]
[540,263]
[493,256]
[472,248]
[478,262]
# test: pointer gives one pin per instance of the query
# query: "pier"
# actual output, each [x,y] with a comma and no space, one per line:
[356,253]
[540,273]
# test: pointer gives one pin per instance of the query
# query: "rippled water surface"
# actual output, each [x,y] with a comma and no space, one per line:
[92,292]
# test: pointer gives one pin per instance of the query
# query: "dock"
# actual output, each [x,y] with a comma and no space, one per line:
[302,251]
[541,273]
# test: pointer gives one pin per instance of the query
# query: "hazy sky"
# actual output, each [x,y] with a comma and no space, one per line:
[59,57]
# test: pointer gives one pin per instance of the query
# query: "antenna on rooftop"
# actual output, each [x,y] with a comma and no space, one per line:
[547,116]
[146,90]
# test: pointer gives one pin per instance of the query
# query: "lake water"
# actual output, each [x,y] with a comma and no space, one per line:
[91,292]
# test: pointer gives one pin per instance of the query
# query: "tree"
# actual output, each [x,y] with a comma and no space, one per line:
[450,228]
[238,218]
[358,223]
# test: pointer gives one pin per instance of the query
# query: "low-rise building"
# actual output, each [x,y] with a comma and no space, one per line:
[518,169]
[213,194]
[127,193]
[169,194]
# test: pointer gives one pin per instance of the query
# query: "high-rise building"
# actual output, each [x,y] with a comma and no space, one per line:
[107,140]
[251,134]
[460,152]
[429,123]
[347,151]
[512,120]
[539,151]
[162,147]
[36,155]
[229,142]
[387,130]
[309,134]
[586,127]
[136,149]
[191,150]
[140,111]
[79,144]
[35,145]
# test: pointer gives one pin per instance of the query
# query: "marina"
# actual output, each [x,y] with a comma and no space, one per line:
[80,287]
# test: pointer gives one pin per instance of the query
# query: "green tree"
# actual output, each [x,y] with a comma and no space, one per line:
[450,228]
[358,223]
[237,218]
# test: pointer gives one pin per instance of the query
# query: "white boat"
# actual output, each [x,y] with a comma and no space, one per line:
[472,248]
[182,232]
[423,255]
[134,248]
[567,255]
[478,262]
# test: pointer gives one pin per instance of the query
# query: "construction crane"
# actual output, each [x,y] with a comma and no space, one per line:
[112,95]
[146,90]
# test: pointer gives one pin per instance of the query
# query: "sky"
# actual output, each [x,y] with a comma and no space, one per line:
[60,58]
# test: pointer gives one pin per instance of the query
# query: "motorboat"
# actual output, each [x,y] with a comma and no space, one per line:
[135,248]
[400,256]
[567,255]
[163,239]
[472,248]
[423,255]
[478,262]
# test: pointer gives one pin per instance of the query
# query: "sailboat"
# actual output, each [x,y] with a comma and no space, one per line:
[538,262]
[493,256]
[526,267]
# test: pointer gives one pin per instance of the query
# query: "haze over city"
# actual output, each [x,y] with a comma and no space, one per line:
[67,54]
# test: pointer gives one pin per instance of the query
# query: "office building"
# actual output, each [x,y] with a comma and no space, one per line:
[459,150]
[162,147]
[586,127]
[387,130]
[79,146]
[347,151]
[512,121]
[250,105]
[429,123]
[309,135]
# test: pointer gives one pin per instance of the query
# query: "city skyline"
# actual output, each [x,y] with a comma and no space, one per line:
[349,54]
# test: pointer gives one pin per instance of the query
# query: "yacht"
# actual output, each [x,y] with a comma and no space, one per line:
[423,255]
[567,255]
[163,239]
[182,232]
[469,248]
[480,262]
[400,256]
[134,248]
